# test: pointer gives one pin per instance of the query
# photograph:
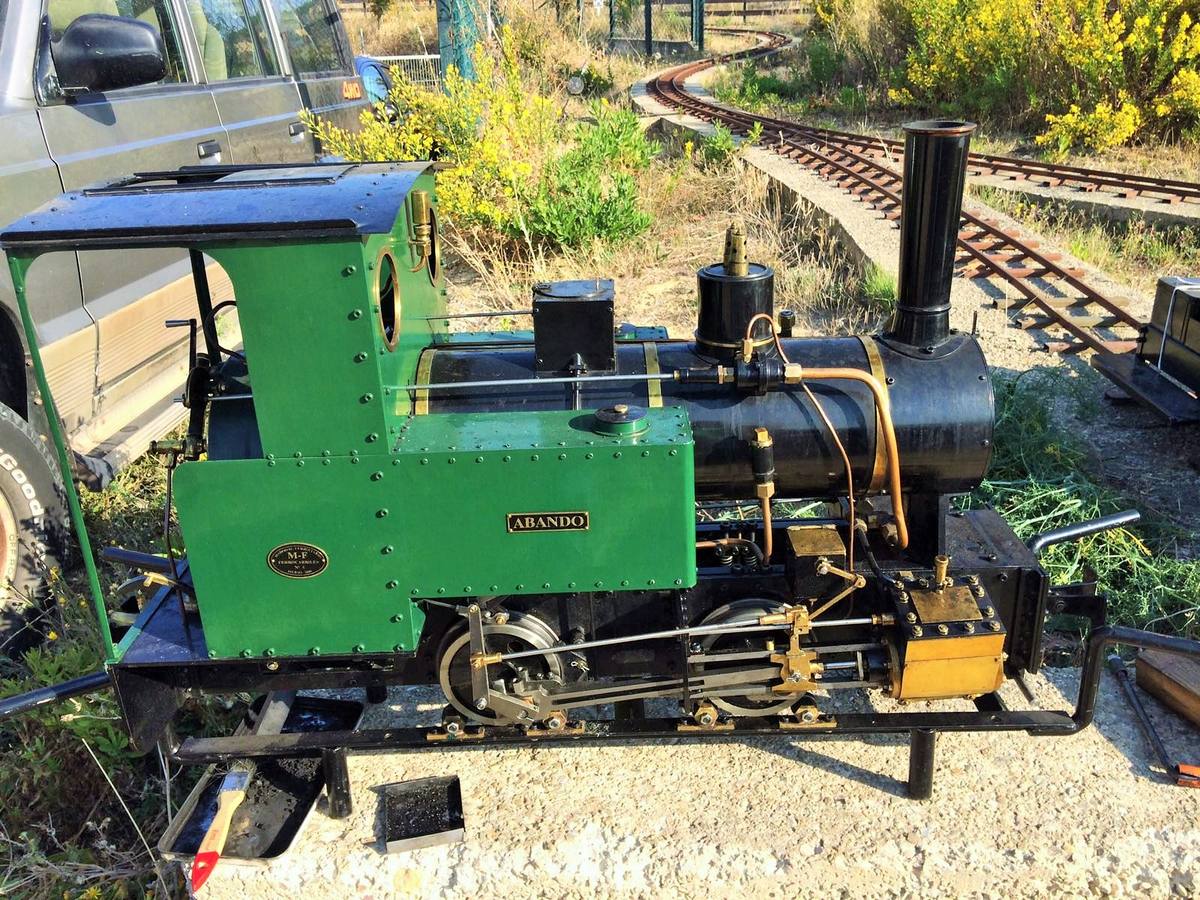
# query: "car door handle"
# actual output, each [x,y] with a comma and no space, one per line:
[209,150]
[295,129]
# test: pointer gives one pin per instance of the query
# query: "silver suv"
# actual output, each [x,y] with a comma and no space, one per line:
[91,90]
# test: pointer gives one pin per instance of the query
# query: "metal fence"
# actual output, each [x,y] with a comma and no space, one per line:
[657,26]
[421,68]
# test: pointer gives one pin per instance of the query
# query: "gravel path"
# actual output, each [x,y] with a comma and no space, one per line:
[1011,815]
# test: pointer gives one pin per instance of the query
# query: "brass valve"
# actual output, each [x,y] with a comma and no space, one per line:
[422,217]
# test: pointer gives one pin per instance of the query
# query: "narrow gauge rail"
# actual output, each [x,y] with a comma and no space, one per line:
[1092,320]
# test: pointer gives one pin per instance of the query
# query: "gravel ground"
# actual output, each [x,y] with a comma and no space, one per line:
[1011,815]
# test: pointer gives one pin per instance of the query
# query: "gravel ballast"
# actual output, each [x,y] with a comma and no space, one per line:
[1011,815]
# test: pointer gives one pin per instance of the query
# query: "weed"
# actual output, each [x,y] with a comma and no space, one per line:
[1040,479]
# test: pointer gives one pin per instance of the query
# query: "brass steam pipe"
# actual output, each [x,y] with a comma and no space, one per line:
[889,437]
[885,418]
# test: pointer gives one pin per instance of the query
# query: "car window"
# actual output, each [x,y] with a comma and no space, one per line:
[157,12]
[233,38]
[312,40]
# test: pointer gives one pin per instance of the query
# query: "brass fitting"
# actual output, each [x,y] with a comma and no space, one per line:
[941,570]
[735,262]
[422,237]
[793,373]
[479,660]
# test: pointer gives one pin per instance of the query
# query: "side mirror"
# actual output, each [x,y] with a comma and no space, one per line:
[103,53]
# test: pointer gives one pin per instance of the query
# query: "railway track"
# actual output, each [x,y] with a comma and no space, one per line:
[1039,290]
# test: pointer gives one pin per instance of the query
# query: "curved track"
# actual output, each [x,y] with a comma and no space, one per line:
[1048,293]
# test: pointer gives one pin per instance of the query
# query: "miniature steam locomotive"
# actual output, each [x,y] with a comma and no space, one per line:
[370,498]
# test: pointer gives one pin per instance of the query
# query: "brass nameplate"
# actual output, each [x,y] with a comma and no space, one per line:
[297,560]
[548,521]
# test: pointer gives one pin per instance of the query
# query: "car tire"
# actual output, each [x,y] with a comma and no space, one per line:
[34,530]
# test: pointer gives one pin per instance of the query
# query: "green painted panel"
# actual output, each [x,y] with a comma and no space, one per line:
[314,340]
[430,519]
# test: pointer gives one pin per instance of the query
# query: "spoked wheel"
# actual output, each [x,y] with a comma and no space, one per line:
[741,612]
[520,632]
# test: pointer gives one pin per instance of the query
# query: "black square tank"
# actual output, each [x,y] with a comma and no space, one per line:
[573,327]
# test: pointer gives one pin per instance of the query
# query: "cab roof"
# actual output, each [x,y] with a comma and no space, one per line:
[201,205]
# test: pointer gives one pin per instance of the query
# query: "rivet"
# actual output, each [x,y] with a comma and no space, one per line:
[366,398]
[534,457]
[314,651]
[381,513]
[506,459]
[450,460]
[360,357]
[212,654]
[943,629]
[571,585]
[356,314]
[348,271]
[270,462]
[396,461]
[672,452]
[479,459]
[562,456]
[398,648]
[393,584]
[493,587]
[588,455]
[376,476]
[297,454]
[520,587]
[415,591]
[467,589]
[678,581]
[372,437]
[270,456]
[300,463]
[625,582]
[650,581]
[358,648]
[325,453]
[617,455]
[645,453]
[545,585]
[246,653]
[270,651]
[441,590]
[397,618]
[889,380]
[599,584]
[424,461]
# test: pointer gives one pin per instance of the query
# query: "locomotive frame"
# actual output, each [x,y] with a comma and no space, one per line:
[954,602]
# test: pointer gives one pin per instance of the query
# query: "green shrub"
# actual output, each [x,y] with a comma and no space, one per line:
[1040,479]
[589,192]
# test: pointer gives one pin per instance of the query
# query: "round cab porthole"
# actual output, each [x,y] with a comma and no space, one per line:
[387,289]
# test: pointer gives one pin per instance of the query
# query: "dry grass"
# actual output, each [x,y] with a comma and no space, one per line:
[1136,251]
[410,26]
[656,274]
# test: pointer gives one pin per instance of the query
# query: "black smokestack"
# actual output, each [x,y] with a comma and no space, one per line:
[935,172]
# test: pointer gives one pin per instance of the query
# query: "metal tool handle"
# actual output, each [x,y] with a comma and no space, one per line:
[1040,542]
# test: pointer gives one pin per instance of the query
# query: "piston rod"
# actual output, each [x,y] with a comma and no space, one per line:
[683,632]
[513,382]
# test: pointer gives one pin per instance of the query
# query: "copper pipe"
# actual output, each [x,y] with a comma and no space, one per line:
[768,531]
[884,408]
[837,441]
[889,437]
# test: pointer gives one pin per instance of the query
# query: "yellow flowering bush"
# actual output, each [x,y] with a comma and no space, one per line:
[490,134]
[1086,73]
[508,166]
